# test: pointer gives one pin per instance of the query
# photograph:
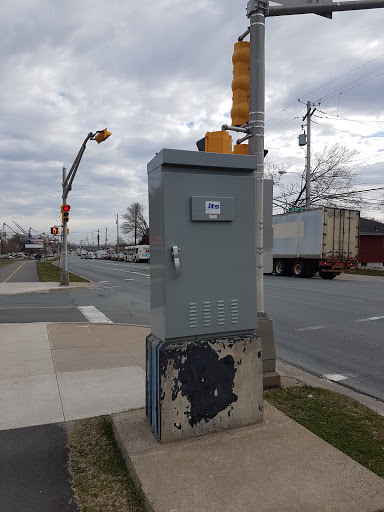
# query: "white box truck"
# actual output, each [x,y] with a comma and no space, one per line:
[324,240]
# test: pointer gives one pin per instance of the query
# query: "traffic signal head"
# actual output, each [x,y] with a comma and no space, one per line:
[240,84]
[218,142]
[102,135]
[54,230]
[65,212]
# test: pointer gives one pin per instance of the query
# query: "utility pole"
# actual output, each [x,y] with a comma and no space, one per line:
[307,117]
[98,239]
[106,238]
[117,229]
[64,279]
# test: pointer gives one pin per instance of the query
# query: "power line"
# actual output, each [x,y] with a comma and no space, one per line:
[345,74]
[339,118]
[330,82]
[326,98]
[346,131]
[283,135]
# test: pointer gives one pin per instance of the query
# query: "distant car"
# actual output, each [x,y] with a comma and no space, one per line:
[90,256]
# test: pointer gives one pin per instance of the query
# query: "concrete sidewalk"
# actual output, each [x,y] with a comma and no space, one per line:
[51,373]
[15,288]
[276,466]
[58,372]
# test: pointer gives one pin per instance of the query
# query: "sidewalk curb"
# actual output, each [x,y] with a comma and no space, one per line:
[293,376]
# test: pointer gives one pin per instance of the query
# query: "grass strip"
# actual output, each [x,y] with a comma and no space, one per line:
[368,272]
[346,424]
[100,478]
[47,271]
[5,262]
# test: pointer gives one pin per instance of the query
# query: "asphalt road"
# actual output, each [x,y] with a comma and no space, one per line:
[19,271]
[331,327]
[33,470]
[326,327]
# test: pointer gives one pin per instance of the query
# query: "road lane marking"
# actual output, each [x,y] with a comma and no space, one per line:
[335,377]
[370,319]
[313,328]
[93,315]
[120,270]
[102,282]
[129,279]
[14,272]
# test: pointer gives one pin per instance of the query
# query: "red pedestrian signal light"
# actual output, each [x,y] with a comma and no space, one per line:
[65,212]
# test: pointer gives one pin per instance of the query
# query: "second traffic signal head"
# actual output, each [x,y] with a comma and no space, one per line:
[65,212]
[240,83]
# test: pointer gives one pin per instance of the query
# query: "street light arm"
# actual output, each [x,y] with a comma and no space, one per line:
[67,184]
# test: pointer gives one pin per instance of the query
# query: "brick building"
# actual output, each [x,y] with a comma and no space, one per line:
[371,252]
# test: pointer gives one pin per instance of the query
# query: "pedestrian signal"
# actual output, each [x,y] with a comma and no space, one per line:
[55,230]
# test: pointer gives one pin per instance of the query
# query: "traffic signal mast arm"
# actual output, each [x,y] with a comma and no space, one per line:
[286,10]
[98,136]
[67,184]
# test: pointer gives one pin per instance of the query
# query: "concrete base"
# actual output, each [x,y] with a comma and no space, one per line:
[277,465]
[199,387]
[271,380]
[266,333]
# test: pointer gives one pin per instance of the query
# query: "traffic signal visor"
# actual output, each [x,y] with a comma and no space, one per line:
[102,135]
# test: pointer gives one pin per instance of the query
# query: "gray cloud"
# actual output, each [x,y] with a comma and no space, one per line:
[159,75]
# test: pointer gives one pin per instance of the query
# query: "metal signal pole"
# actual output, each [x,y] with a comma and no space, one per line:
[64,279]
[257,11]
[117,229]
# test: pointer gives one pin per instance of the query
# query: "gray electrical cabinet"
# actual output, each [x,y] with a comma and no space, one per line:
[202,237]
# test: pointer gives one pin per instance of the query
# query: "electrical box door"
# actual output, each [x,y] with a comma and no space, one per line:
[202,238]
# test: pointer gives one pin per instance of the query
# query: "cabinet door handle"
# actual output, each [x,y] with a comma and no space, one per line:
[175,256]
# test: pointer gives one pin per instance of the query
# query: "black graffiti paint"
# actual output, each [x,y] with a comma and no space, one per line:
[205,380]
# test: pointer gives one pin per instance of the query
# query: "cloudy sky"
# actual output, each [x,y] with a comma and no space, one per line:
[158,74]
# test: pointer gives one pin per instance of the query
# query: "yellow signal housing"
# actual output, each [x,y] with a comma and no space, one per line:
[102,135]
[240,84]
[218,142]
[240,149]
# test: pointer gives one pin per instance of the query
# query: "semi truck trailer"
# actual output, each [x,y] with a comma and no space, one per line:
[324,240]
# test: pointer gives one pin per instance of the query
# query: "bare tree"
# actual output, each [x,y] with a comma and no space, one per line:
[332,182]
[134,221]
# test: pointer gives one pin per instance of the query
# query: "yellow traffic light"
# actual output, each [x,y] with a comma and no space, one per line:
[240,83]
[102,135]
[218,142]
[240,149]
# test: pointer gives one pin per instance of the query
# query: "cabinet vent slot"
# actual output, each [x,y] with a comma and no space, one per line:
[220,312]
[207,313]
[234,311]
[192,315]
